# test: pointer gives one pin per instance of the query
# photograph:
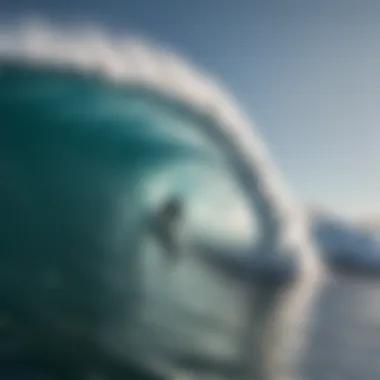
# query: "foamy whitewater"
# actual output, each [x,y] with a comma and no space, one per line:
[132,62]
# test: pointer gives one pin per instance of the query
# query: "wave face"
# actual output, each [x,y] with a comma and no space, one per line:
[95,136]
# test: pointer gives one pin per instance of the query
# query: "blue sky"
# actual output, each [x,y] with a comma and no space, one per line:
[307,71]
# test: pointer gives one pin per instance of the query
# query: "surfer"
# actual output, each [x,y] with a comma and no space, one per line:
[165,227]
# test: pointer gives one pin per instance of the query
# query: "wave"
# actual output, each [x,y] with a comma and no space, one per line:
[127,61]
[83,78]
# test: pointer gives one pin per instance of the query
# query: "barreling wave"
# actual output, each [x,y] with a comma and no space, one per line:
[130,62]
[116,67]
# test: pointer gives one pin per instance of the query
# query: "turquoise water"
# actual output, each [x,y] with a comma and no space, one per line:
[90,161]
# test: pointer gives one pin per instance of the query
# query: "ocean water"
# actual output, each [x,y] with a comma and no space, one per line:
[99,160]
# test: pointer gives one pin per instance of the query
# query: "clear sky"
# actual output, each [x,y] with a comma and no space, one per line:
[307,71]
